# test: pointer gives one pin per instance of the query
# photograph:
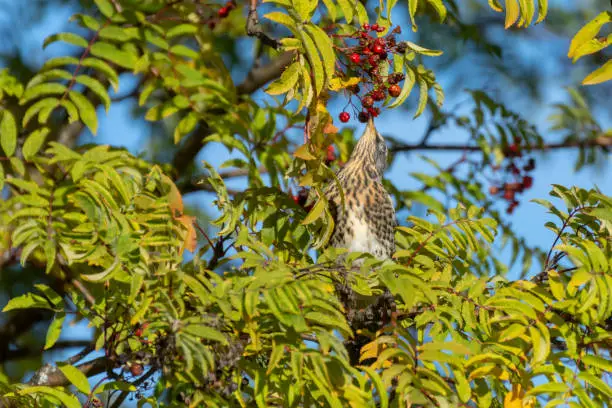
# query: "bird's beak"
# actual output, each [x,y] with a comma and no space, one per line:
[370,131]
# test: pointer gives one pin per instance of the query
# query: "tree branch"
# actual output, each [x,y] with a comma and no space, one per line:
[602,141]
[254,30]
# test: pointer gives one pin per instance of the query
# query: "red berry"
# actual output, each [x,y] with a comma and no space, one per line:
[223,12]
[367,101]
[380,41]
[380,29]
[374,27]
[296,199]
[363,117]
[493,190]
[366,26]
[138,332]
[355,58]
[136,369]
[364,35]
[378,49]
[395,90]
[331,154]
[513,150]
[344,117]
[378,95]
[373,59]
[527,181]
[374,112]
[509,195]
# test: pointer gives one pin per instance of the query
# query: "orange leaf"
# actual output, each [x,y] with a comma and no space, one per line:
[190,240]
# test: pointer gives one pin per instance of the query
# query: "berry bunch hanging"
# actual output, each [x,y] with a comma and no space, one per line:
[517,175]
[365,55]
[221,13]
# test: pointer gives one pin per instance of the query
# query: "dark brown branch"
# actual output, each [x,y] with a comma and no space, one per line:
[254,30]
[259,76]
[27,352]
[602,141]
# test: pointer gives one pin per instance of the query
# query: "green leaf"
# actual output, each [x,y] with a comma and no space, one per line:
[113,54]
[304,8]
[597,383]
[76,377]
[287,80]
[422,98]
[324,44]
[54,330]
[440,8]
[43,105]
[69,38]
[406,88]
[598,362]
[28,301]
[105,7]
[181,29]
[87,112]
[347,9]
[8,133]
[69,401]
[412,8]
[205,332]
[34,142]
[315,213]
[315,62]
[37,91]
[96,87]
[283,19]
[548,388]
[377,381]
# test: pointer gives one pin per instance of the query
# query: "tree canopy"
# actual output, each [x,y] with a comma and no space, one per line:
[244,304]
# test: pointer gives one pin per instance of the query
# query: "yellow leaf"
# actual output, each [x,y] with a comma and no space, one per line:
[600,75]
[303,153]
[314,214]
[370,350]
[336,83]
[512,13]
[514,398]
[588,32]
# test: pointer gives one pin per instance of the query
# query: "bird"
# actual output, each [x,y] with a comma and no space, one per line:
[366,222]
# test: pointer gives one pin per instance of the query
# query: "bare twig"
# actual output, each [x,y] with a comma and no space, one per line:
[84,291]
[254,30]
[603,142]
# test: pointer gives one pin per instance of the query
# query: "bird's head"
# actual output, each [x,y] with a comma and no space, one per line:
[370,150]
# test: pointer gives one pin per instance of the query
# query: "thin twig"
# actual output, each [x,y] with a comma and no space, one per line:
[84,291]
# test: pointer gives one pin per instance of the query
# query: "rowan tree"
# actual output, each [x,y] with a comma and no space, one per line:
[251,307]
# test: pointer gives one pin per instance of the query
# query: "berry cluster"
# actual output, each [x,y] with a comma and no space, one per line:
[364,61]
[518,169]
[222,13]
